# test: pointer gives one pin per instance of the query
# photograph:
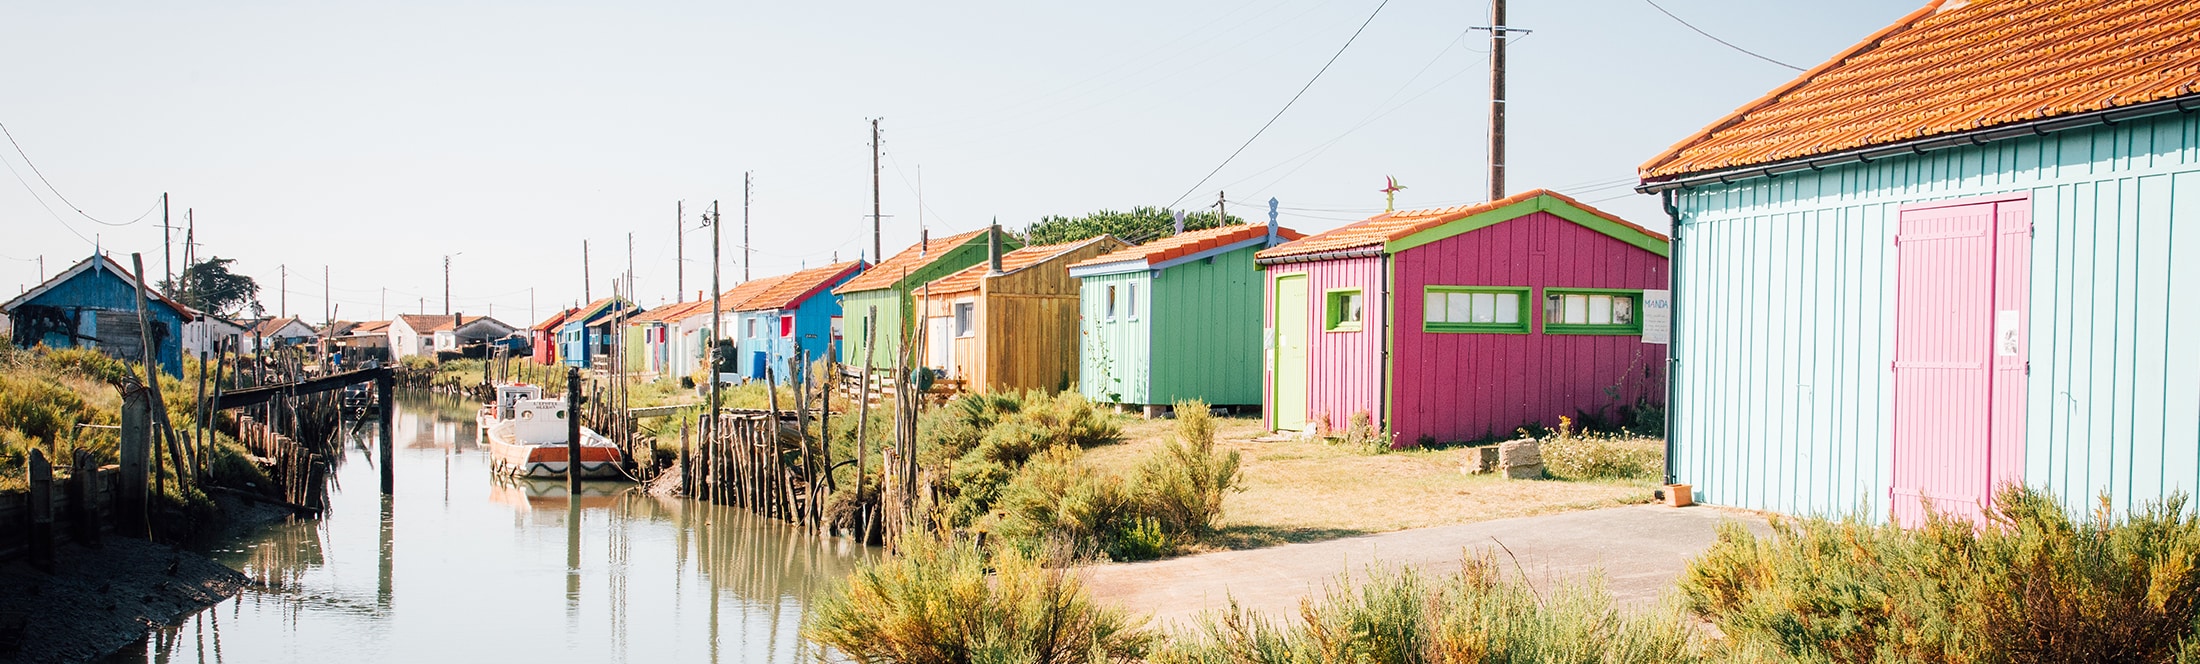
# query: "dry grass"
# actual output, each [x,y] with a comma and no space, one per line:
[1299,490]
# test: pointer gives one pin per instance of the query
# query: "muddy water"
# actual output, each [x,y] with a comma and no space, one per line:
[461,566]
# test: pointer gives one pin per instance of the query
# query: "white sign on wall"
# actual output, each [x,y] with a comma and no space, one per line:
[1657,316]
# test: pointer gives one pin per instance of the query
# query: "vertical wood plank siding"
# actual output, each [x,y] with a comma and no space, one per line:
[1345,368]
[1208,343]
[1456,387]
[1115,360]
[1782,389]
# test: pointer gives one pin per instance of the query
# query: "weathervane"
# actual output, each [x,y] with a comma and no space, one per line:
[1390,193]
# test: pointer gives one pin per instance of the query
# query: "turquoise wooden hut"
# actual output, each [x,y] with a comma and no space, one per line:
[1956,256]
[1177,318]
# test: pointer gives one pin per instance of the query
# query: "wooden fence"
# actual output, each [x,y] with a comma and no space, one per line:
[300,473]
[85,507]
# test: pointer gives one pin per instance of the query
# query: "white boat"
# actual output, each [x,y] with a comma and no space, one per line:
[527,435]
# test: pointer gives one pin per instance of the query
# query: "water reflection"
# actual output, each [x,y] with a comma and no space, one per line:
[467,566]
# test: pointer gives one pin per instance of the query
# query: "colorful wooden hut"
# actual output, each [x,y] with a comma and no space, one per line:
[544,337]
[1947,259]
[1009,323]
[882,299]
[94,304]
[1465,323]
[796,315]
[586,334]
[1176,318]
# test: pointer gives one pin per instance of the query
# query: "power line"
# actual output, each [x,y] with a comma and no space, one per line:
[1728,44]
[33,191]
[1286,105]
[57,192]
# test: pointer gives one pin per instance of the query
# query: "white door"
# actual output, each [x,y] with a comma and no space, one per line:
[939,340]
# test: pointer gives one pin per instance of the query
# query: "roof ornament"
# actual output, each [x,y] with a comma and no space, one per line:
[1390,193]
[1271,221]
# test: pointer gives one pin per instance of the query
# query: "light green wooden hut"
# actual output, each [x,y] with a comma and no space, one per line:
[882,298]
[1176,318]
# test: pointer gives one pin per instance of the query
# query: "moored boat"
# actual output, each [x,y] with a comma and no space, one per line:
[527,437]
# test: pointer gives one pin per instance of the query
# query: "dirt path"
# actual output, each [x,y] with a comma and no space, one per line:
[1639,549]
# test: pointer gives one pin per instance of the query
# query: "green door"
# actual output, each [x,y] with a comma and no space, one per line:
[1289,406]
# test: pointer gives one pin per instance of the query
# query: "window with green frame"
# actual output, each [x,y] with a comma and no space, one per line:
[1342,310]
[1475,309]
[1592,311]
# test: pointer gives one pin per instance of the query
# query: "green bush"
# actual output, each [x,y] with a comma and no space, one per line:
[2033,584]
[1474,615]
[935,603]
[1569,453]
[1182,485]
[1056,508]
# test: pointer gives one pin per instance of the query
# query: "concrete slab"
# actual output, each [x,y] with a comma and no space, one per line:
[1640,549]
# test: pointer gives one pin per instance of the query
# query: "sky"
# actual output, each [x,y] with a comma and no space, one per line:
[375,140]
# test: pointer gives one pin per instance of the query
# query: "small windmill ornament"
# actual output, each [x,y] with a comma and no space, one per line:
[1390,193]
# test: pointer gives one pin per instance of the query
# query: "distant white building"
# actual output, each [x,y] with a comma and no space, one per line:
[202,335]
[278,332]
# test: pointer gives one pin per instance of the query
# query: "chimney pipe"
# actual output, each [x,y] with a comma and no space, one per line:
[924,242]
[993,247]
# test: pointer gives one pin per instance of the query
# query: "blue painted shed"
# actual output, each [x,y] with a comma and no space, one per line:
[798,312]
[93,304]
[1948,259]
[586,333]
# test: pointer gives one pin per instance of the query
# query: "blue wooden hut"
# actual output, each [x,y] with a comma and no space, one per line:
[94,304]
[586,333]
[1948,259]
[798,312]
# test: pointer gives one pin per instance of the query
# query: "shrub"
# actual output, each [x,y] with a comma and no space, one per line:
[935,604]
[2032,584]
[1473,615]
[1182,485]
[1360,433]
[1055,507]
[1571,454]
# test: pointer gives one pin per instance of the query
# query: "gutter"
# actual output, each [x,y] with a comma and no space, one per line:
[1672,338]
[1359,252]
[2037,127]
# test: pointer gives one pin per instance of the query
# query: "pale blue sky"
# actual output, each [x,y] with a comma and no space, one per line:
[375,137]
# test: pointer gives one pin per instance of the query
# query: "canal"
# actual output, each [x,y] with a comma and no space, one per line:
[463,566]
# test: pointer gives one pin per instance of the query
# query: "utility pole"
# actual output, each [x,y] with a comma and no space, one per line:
[748,185]
[446,284]
[384,311]
[167,252]
[283,303]
[1222,214]
[585,296]
[679,251]
[877,247]
[190,240]
[717,320]
[1497,99]
[628,290]
[328,313]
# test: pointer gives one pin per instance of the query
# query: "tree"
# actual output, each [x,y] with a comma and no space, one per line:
[1142,224]
[209,286]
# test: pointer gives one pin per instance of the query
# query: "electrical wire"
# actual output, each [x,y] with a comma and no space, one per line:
[1371,117]
[1286,105]
[33,191]
[57,192]
[1712,37]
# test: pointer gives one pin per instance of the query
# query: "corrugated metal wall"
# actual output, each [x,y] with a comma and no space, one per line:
[1786,319]
[1455,387]
[1345,368]
[1114,360]
[1207,320]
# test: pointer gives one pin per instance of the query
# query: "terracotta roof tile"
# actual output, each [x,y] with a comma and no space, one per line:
[1956,67]
[1381,229]
[740,294]
[912,259]
[969,278]
[555,320]
[1187,243]
[793,288]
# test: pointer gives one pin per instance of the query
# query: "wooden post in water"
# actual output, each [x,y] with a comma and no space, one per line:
[82,490]
[384,395]
[136,445]
[573,430]
[41,509]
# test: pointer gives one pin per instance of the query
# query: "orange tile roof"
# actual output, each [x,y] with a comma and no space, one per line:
[793,288]
[555,320]
[969,278]
[912,259]
[1188,243]
[371,326]
[269,327]
[670,312]
[1955,67]
[741,293]
[1383,228]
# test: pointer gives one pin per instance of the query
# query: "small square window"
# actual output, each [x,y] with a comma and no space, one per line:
[1343,310]
[964,323]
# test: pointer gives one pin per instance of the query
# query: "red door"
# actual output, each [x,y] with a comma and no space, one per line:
[1960,293]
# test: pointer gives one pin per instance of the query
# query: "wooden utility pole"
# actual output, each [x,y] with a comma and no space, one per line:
[328,313]
[747,186]
[282,307]
[1497,99]
[190,238]
[585,295]
[1222,212]
[446,284]
[167,251]
[679,251]
[573,431]
[717,323]
[878,247]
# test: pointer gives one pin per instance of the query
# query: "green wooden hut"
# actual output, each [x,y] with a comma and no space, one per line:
[882,298]
[1176,318]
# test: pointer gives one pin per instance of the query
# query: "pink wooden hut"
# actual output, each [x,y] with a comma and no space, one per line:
[1466,323]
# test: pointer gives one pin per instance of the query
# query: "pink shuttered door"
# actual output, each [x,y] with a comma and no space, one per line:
[1960,294]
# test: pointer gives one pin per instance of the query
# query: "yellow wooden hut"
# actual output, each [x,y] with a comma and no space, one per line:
[1009,323]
